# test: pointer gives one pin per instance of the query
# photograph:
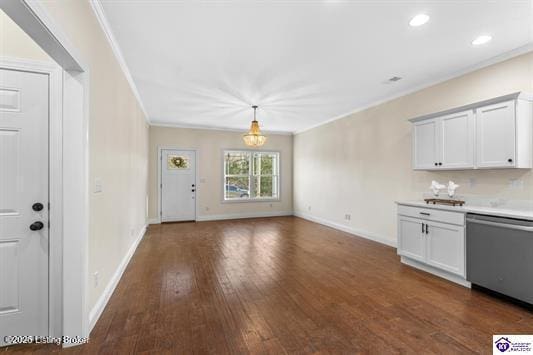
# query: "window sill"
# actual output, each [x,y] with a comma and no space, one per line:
[253,200]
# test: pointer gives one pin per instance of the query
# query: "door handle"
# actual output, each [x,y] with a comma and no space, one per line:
[422,228]
[35,226]
[427,230]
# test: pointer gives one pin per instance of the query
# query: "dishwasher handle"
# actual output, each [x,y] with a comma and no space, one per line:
[502,225]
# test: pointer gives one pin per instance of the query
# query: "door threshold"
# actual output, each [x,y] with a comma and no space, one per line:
[172,222]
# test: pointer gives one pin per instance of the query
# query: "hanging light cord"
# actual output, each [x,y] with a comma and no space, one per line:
[255,108]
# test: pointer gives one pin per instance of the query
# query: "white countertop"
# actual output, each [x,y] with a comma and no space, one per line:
[526,214]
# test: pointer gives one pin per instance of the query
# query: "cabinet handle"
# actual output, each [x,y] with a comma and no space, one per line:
[425,213]
[510,160]
[436,164]
[427,230]
[440,164]
[422,228]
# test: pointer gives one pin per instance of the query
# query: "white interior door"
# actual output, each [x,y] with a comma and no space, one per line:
[23,186]
[178,185]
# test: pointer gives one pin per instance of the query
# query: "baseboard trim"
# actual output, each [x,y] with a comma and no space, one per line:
[440,273]
[154,221]
[355,231]
[218,217]
[100,305]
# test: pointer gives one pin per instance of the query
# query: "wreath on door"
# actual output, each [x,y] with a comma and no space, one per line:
[179,162]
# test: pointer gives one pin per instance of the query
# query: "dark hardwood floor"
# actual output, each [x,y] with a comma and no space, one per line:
[286,285]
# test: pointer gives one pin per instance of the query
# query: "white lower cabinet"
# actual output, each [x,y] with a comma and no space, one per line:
[445,247]
[412,242]
[435,243]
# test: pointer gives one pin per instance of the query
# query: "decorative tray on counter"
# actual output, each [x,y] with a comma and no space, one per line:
[441,201]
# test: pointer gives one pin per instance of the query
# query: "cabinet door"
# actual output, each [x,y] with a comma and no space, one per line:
[457,140]
[411,239]
[425,145]
[496,135]
[446,247]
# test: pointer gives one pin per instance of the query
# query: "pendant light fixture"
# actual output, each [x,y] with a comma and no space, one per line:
[254,138]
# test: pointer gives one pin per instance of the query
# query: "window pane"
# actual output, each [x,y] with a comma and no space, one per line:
[237,188]
[237,163]
[266,186]
[265,164]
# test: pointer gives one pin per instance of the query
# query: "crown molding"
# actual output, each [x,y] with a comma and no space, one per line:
[214,128]
[494,60]
[106,28]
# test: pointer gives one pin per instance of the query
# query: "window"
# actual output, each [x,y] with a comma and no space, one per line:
[251,175]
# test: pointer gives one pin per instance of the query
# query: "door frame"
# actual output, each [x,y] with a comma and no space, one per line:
[69,169]
[55,193]
[159,178]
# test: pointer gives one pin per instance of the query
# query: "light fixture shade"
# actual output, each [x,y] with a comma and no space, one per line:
[254,138]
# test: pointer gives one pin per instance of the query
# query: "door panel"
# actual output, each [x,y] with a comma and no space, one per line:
[425,145]
[178,185]
[457,140]
[496,136]
[411,239]
[23,182]
[446,247]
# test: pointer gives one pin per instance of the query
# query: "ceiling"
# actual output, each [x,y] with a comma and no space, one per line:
[304,62]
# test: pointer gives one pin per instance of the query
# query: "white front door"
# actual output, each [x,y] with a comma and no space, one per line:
[23,204]
[178,185]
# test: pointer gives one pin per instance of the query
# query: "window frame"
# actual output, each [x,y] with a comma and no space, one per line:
[250,176]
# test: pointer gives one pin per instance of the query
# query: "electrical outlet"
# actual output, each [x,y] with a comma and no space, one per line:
[516,184]
[347,217]
[96,279]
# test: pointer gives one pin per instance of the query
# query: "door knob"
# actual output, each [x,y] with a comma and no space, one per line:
[192,185]
[37,207]
[35,226]
[193,190]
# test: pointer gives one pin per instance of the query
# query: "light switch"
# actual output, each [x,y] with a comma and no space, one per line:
[97,185]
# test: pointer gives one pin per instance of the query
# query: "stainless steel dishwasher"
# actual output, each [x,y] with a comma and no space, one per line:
[499,255]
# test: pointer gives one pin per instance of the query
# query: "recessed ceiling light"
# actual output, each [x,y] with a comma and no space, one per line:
[419,20]
[481,40]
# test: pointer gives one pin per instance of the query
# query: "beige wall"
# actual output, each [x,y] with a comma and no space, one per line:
[118,137]
[210,144]
[361,164]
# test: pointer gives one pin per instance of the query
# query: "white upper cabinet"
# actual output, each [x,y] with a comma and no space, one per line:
[456,140]
[424,144]
[495,133]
